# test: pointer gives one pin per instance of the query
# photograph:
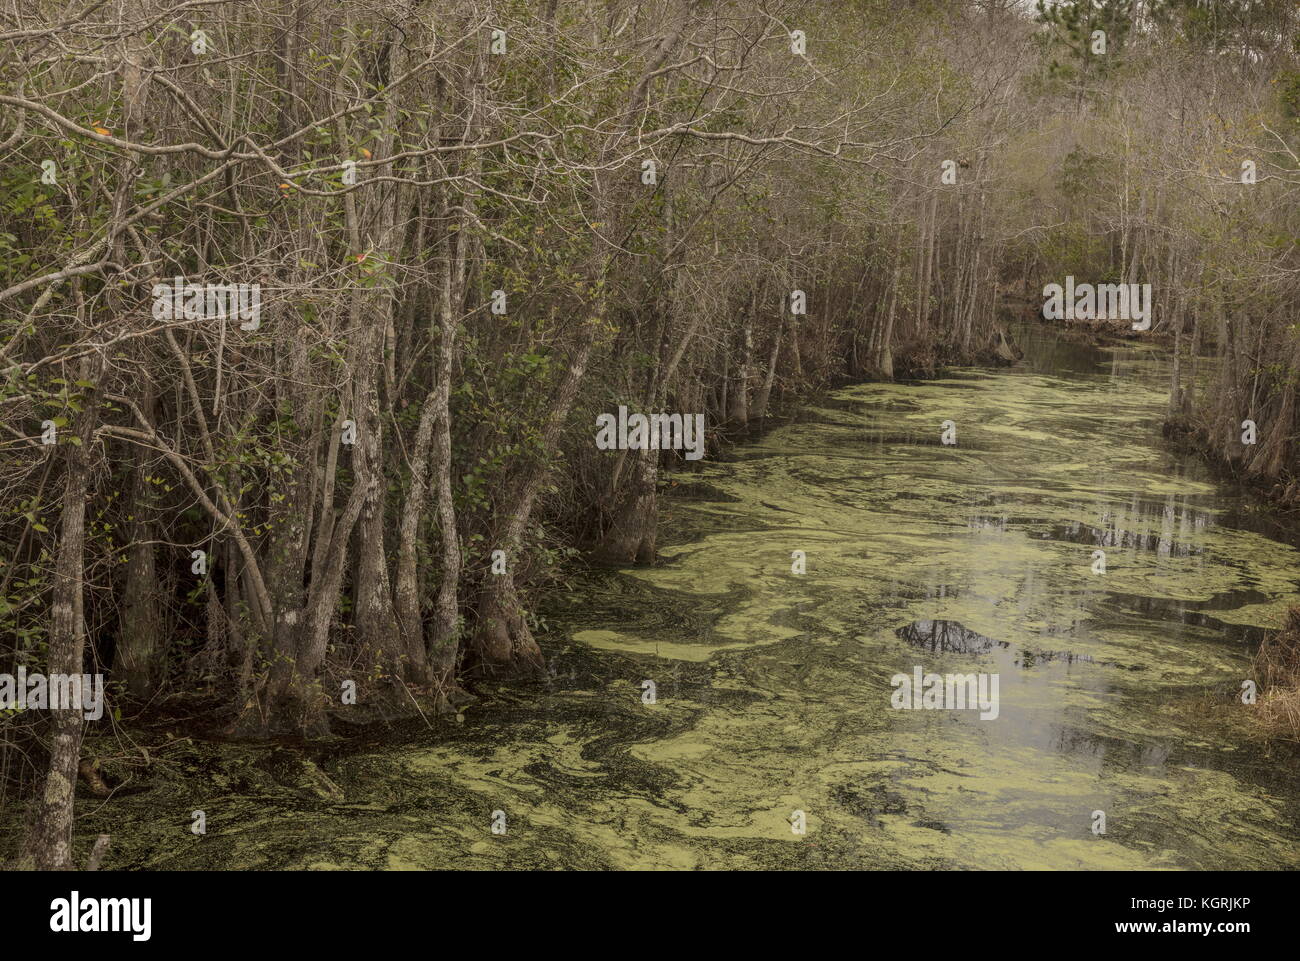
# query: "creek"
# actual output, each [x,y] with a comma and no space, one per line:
[1120,692]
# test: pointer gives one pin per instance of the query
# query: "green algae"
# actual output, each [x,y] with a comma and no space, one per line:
[773,687]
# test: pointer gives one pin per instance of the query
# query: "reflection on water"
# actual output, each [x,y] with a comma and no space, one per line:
[1118,690]
[950,637]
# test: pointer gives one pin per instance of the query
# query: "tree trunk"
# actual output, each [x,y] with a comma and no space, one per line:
[406,584]
[48,844]
[140,641]
[764,397]
[739,413]
[378,634]
[631,537]
[886,349]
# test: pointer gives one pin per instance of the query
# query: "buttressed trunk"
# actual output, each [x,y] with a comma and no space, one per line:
[631,537]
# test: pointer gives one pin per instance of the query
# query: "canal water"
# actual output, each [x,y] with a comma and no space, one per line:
[1119,692]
